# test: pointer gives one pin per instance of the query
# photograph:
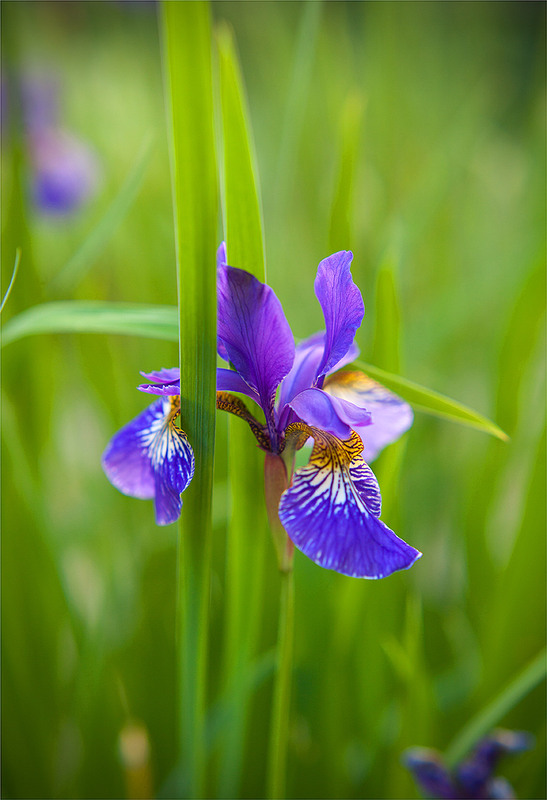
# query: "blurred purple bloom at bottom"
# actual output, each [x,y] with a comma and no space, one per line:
[473,778]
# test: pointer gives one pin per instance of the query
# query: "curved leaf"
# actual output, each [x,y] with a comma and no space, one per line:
[89,316]
[431,402]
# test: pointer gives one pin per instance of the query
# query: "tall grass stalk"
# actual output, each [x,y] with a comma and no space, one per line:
[189,94]
[247,528]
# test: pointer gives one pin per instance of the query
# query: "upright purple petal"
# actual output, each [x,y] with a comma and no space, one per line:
[221,263]
[308,355]
[317,408]
[255,334]
[391,416]
[342,305]
[151,458]
[331,510]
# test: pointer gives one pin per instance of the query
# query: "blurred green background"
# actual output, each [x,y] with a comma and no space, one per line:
[413,134]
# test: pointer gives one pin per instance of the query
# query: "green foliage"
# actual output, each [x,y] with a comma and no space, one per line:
[189,96]
[415,129]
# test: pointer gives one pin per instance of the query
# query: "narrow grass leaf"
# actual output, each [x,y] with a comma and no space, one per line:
[298,94]
[13,277]
[189,98]
[340,229]
[247,528]
[431,402]
[491,715]
[241,206]
[86,255]
[91,316]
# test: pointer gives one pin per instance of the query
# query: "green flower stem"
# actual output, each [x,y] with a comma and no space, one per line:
[279,728]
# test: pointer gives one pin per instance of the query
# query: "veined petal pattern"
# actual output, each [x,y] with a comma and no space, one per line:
[331,510]
[391,416]
[151,458]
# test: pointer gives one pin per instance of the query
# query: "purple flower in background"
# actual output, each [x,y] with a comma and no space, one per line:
[151,459]
[473,779]
[330,509]
[64,169]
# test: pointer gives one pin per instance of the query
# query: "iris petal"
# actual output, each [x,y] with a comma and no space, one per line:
[151,458]
[255,334]
[391,416]
[330,414]
[331,510]
[430,773]
[230,381]
[222,262]
[342,305]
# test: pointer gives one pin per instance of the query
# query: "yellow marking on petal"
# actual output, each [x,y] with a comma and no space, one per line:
[328,450]
[233,405]
[353,380]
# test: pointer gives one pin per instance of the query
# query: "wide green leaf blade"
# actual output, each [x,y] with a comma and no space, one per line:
[431,402]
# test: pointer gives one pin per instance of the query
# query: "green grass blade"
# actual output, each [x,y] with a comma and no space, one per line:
[490,716]
[241,206]
[90,316]
[247,529]
[189,96]
[298,94]
[75,269]
[13,277]
[431,402]
[341,228]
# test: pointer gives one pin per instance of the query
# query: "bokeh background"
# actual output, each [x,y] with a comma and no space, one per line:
[411,133]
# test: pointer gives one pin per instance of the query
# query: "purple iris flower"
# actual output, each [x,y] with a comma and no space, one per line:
[330,509]
[474,778]
[65,171]
[151,459]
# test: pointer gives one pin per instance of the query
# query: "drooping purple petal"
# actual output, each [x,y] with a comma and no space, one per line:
[166,382]
[342,305]
[391,416]
[430,773]
[151,458]
[126,460]
[331,509]
[255,334]
[317,408]
[173,464]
